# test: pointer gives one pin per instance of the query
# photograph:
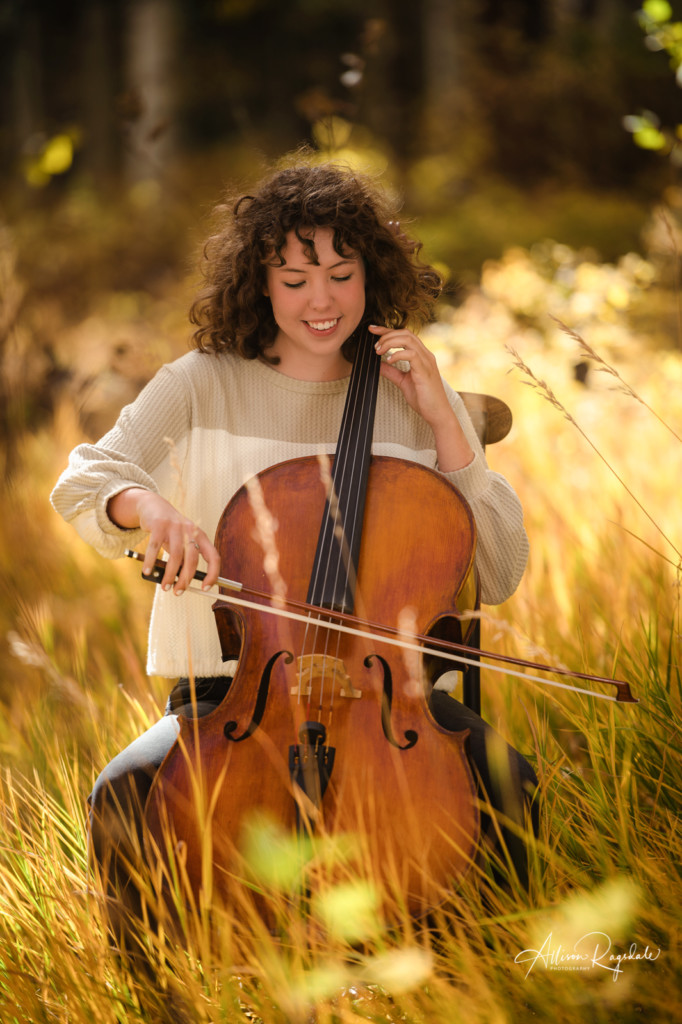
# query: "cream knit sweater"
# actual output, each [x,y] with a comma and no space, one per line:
[207,422]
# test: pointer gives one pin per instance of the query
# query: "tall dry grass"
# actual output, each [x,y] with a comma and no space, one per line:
[601,594]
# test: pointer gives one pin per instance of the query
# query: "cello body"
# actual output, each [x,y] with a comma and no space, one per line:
[320,731]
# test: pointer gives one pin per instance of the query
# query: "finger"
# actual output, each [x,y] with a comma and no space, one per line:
[393,373]
[150,557]
[212,557]
[387,334]
[390,347]
[156,545]
[388,337]
[399,344]
[403,354]
[188,566]
[421,361]
[197,543]
[174,542]
[174,563]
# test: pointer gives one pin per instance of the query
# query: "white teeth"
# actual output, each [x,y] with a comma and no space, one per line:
[324,326]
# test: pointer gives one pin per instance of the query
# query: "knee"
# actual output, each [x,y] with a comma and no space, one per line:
[116,807]
[119,794]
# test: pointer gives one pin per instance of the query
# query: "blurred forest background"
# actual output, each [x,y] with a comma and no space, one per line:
[537,148]
[500,123]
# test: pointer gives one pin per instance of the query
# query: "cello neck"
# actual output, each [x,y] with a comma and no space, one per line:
[332,583]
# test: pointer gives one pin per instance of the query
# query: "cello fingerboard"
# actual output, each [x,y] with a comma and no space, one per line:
[332,583]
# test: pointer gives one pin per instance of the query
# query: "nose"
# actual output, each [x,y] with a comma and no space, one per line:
[320,295]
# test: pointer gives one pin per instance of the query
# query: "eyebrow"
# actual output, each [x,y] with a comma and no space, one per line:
[304,270]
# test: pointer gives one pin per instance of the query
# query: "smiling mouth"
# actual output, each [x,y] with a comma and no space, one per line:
[322,325]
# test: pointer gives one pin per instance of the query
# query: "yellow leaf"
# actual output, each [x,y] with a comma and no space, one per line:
[650,138]
[57,156]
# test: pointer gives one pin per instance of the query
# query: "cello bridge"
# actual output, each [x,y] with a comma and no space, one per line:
[327,674]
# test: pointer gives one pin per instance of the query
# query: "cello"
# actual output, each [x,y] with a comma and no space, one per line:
[326,731]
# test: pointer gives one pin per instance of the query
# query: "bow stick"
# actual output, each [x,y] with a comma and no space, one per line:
[342,622]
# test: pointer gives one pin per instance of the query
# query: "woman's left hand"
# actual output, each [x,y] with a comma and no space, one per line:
[423,389]
[421,384]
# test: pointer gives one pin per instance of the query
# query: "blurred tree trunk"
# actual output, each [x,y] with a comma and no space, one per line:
[606,16]
[150,42]
[602,14]
[99,91]
[391,49]
[449,34]
[26,82]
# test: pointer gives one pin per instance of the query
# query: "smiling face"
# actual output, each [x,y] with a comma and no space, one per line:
[316,306]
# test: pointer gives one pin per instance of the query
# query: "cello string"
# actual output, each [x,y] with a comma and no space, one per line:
[331,516]
[362,431]
[333,526]
[366,401]
[331,529]
[341,567]
[338,556]
[358,430]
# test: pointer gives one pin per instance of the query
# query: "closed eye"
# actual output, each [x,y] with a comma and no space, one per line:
[299,284]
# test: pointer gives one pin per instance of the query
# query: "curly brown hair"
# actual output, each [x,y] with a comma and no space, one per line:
[233,313]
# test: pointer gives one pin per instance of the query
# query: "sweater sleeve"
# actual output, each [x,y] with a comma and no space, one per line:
[141,450]
[502,544]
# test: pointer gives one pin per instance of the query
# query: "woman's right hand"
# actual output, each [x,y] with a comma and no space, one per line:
[169,531]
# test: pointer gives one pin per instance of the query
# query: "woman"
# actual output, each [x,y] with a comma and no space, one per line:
[293,272]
